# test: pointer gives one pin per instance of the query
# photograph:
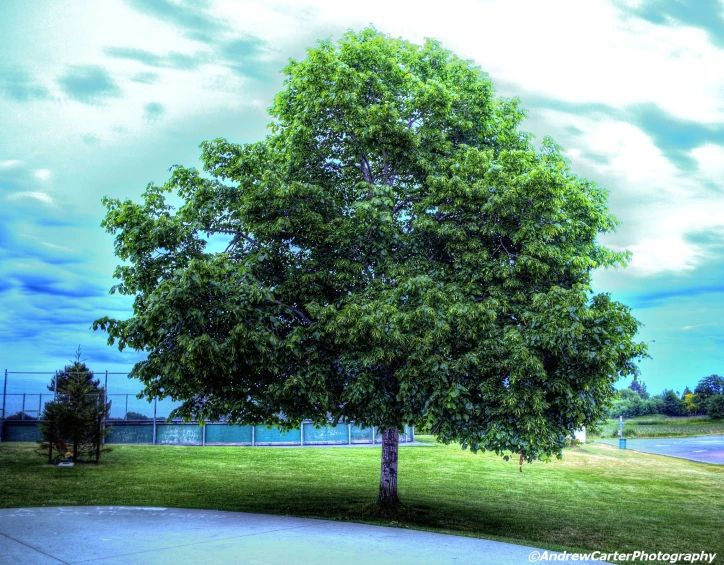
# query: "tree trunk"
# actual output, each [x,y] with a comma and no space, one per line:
[388,472]
[98,439]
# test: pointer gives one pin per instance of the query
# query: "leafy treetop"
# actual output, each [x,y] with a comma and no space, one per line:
[399,253]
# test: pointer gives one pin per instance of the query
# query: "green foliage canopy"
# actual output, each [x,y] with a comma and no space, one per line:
[715,406]
[399,253]
[709,386]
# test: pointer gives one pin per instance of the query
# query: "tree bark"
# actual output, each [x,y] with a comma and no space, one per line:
[388,472]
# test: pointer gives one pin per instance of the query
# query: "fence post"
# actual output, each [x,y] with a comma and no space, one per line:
[301,434]
[22,411]
[105,403]
[203,433]
[40,403]
[125,416]
[5,390]
[154,419]
[253,429]
[349,434]
[55,387]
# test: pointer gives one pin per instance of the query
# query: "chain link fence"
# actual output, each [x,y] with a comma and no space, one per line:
[134,420]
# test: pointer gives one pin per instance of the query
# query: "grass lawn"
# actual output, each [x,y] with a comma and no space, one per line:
[658,425]
[596,498]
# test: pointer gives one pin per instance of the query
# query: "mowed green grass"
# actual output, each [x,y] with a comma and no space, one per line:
[596,498]
[658,425]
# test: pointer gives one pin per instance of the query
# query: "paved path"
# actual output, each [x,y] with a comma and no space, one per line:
[132,535]
[705,449]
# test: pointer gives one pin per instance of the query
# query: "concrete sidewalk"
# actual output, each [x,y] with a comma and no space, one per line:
[133,535]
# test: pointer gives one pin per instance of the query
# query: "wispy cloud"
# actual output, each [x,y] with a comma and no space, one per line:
[42,174]
[191,17]
[707,15]
[173,60]
[20,85]
[40,196]
[145,78]
[710,163]
[89,84]
[153,111]
[675,137]
[244,55]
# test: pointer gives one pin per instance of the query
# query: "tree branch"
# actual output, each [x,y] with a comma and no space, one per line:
[404,203]
[500,239]
[365,164]
[301,315]
[236,234]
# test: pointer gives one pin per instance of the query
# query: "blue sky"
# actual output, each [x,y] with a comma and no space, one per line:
[100,98]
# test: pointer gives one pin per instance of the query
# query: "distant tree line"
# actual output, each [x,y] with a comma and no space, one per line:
[706,399]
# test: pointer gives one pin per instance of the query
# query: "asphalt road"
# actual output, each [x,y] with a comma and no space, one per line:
[705,449]
[132,535]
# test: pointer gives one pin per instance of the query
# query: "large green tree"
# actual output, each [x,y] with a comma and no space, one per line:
[709,386]
[398,253]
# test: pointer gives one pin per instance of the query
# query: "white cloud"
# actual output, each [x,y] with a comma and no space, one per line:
[47,244]
[656,255]
[11,164]
[710,161]
[41,196]
[568,50]
[565,50]
[659,204]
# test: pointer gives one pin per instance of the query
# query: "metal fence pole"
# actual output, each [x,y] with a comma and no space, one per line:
[40,403]
[154,420]
[253,430]
[105,403]
[301,434]
[55,387]
[349,434]
[22,411]
[5,390]
[203,433]
[125,417]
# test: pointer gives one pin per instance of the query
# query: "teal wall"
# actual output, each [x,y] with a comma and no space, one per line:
[228,434]
[130,433]
[216,434]
[15,431]
[179,434]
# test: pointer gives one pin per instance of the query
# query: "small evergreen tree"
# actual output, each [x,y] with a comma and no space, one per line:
[73,421]
[78,368]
